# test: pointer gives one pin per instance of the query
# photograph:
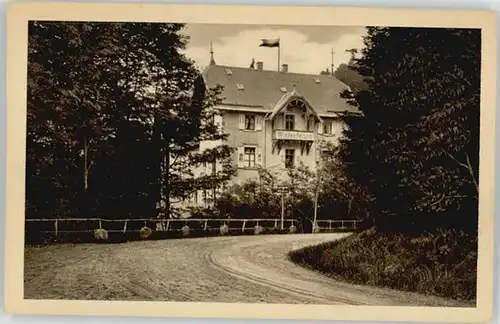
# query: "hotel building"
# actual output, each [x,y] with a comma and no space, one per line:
[275,120]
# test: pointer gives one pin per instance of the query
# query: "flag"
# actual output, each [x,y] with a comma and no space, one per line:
[270,42]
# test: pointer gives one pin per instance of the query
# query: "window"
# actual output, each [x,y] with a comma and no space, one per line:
[289,158]
[249,157]
[250,122]
[289,122]
[327,128]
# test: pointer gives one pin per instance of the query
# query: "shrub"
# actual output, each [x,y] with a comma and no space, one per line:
[224,229]
[101,234]
[185,230]
[442,263]
[145,232]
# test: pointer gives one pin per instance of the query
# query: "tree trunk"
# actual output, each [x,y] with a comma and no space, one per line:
[214,173]
[86,168]
[167,179]
[349,207]
[85,165]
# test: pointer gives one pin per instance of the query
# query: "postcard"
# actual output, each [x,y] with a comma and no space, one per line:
[212,161]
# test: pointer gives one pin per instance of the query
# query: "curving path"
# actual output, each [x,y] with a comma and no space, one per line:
[245,269]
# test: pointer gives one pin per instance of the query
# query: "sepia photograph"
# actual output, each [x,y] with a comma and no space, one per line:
[253,163]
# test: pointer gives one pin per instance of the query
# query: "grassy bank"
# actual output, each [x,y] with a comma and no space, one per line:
[441,264]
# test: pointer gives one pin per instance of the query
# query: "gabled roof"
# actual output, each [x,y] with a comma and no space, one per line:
[288,97]
[263,89]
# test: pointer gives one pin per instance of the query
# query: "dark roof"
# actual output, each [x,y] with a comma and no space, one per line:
[263,88]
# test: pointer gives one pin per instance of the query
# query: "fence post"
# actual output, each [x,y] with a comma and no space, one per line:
[56,226]
[205,226]
[125,227]
[342,223]
[275,223]
[100,223]
[243,227]
[168,225]
[330,225]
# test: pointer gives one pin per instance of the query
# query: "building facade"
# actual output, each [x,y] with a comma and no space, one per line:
[275,120]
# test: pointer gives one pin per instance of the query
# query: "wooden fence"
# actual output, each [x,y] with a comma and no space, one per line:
[81,225]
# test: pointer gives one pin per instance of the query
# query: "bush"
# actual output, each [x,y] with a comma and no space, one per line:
[145,232]
[185,230]
[101,234]
[258,230]
[224,229]
[442,263]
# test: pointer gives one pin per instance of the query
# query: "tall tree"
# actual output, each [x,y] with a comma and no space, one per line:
[417,147]
[107,103]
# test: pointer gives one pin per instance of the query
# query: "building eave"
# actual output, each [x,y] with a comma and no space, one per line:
[289,97]
[243,108]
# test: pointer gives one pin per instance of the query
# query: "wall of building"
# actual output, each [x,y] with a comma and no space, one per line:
[262,140]
[337,130]
[241,137]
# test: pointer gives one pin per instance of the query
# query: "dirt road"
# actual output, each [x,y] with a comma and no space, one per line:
[245,269]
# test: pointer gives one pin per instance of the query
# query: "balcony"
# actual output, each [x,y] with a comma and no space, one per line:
[294,135]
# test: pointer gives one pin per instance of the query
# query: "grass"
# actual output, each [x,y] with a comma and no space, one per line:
[440,264]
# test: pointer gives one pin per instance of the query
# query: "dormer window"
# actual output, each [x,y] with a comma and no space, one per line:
[283,89]
[229,71]
[249,122]
[240,86]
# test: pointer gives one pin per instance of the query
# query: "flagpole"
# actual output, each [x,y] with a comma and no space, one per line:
[279,54]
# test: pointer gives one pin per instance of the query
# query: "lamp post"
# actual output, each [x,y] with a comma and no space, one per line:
[282,190]
[316,191]
[282,209]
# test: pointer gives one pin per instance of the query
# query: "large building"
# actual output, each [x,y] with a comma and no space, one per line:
[275,119]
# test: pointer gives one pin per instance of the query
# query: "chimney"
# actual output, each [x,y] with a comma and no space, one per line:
[260,66]
[284,68]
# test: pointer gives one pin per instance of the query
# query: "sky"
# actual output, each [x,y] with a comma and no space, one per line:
[306,49]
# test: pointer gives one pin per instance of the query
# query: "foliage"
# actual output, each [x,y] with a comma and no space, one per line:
[348,75]
[417,148]
[262,199]
[339,193]
[251,199]
[115,116]
[441,263]
[101,234]
[145,232]
[224,229]
[185,230]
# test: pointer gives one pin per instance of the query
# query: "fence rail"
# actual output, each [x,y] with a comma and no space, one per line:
[86,225]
